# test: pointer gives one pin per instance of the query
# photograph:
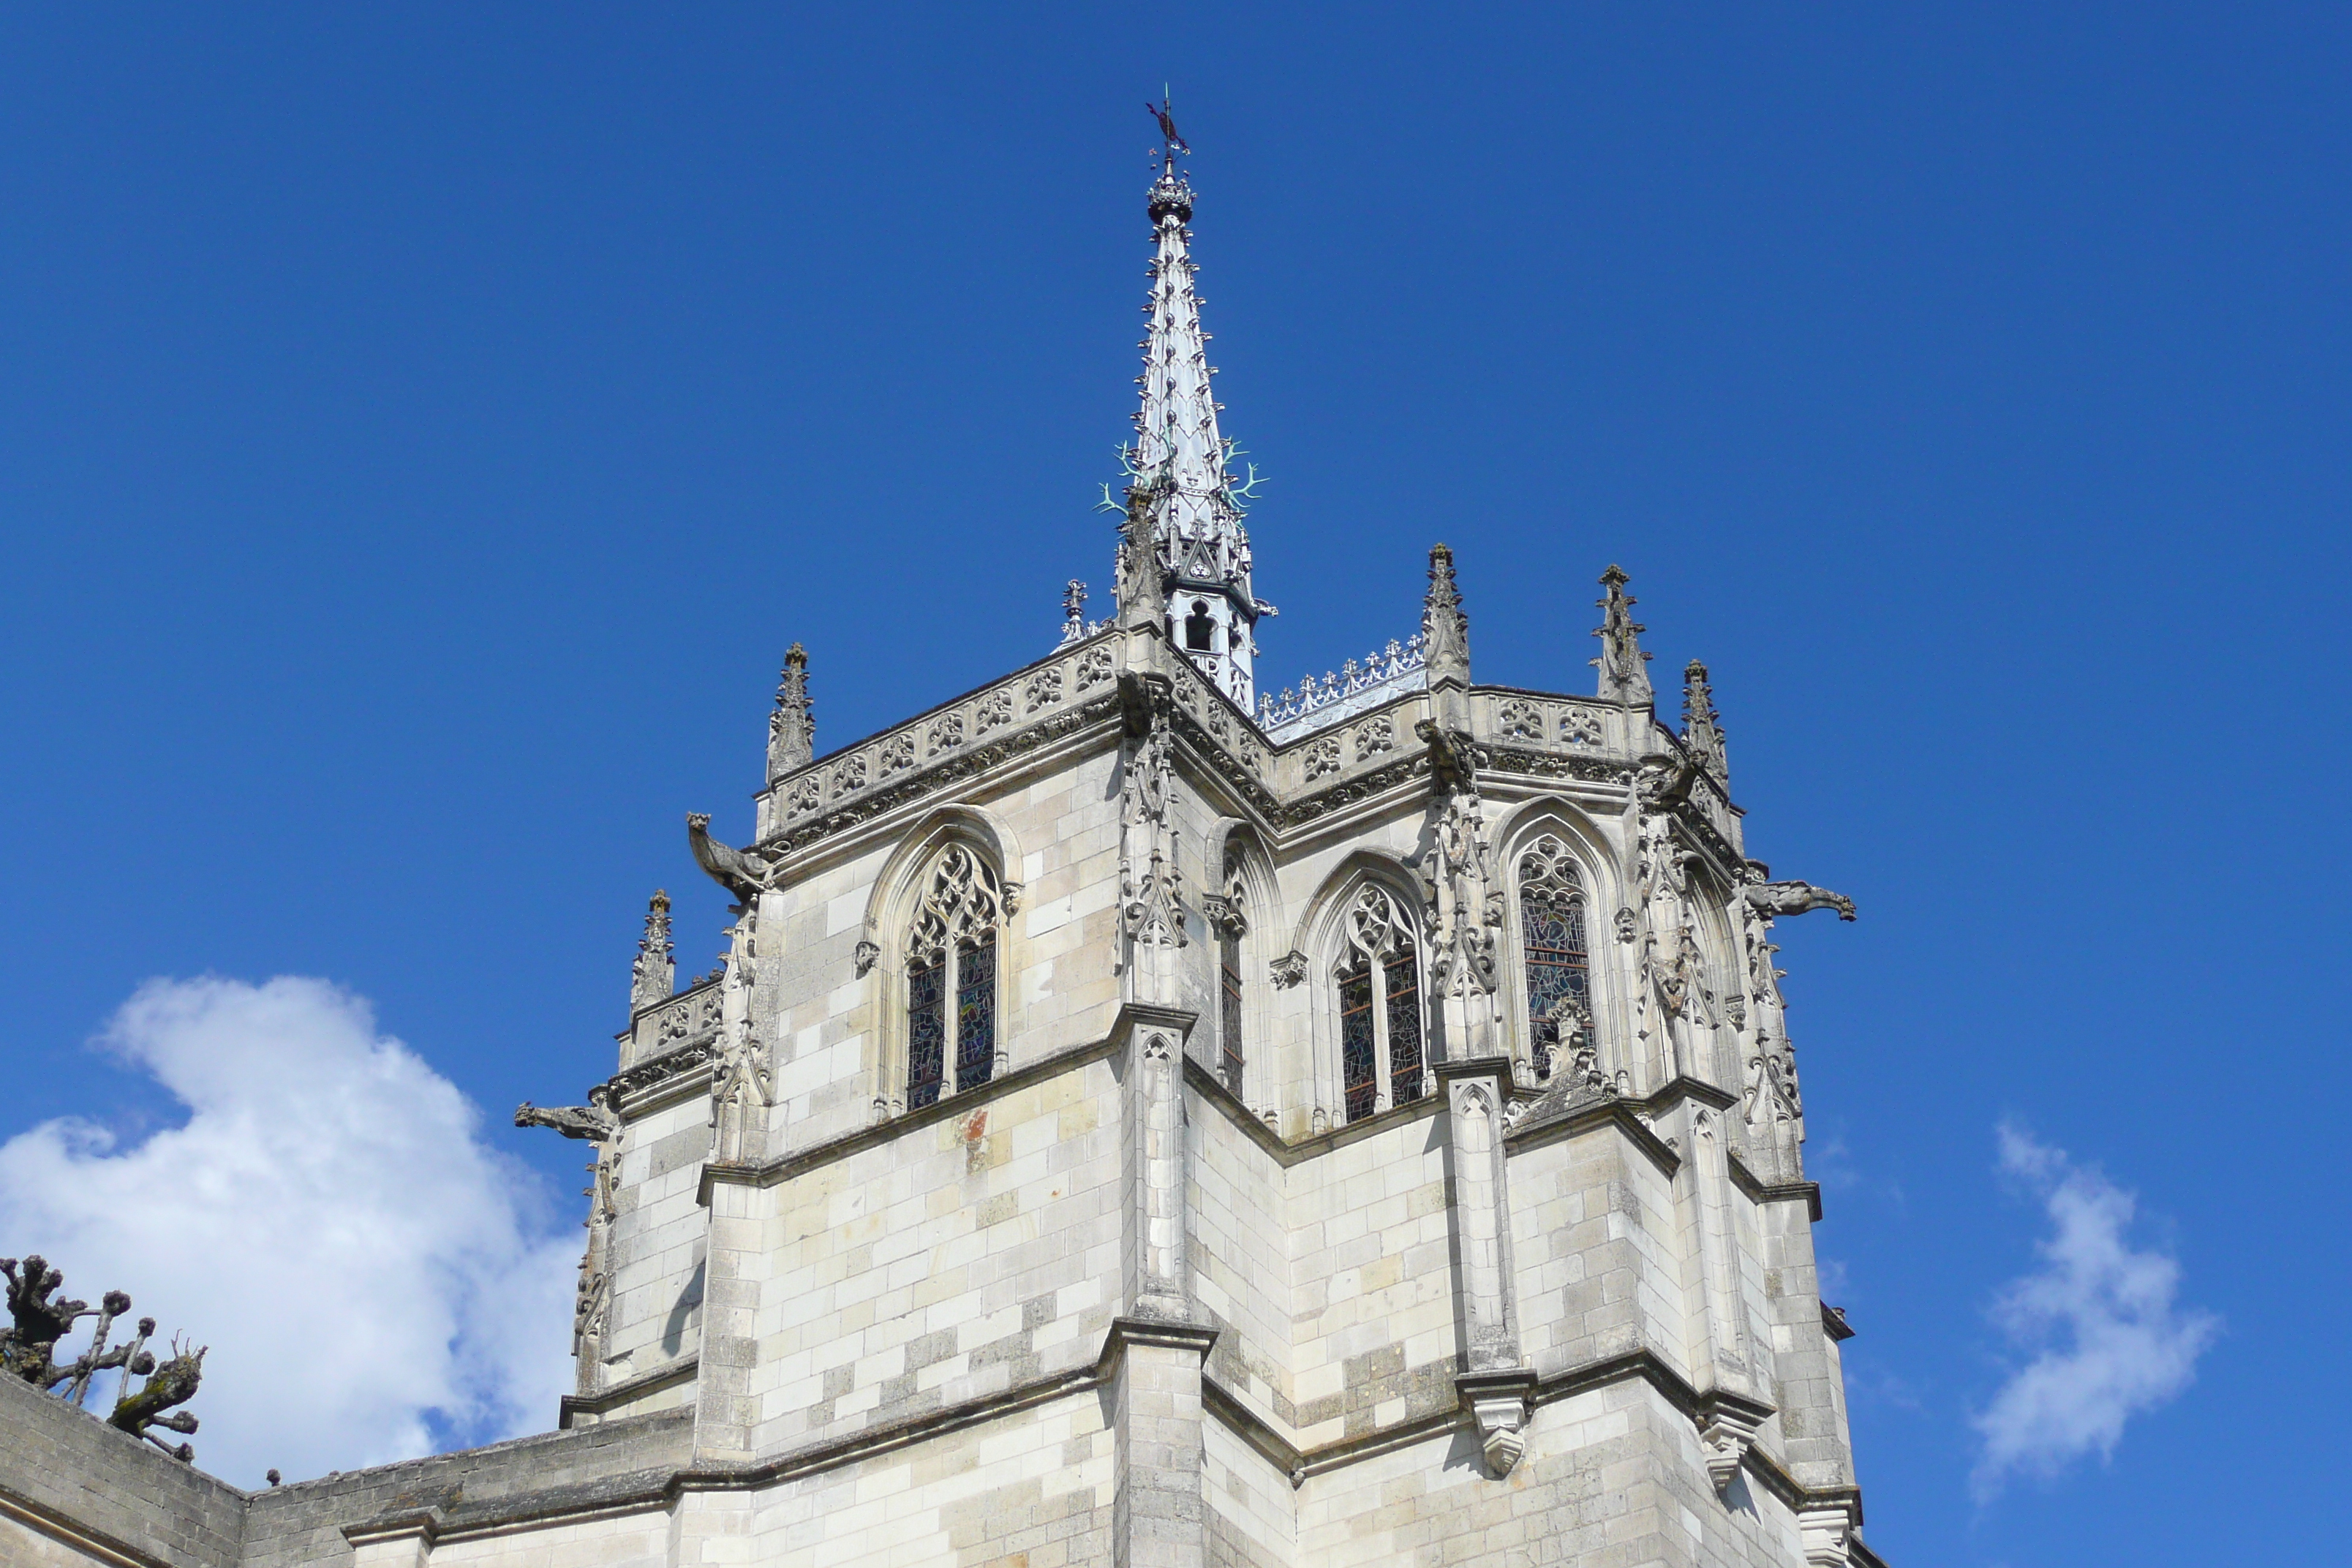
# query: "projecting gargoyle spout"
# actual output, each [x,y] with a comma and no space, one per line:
[1797,898]
[590,1123]
[739,873]
[1452,759]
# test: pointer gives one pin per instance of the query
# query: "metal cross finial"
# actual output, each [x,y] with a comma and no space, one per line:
[1164,112]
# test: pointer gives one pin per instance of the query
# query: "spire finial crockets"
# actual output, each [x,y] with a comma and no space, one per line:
[1179,458]
[791,728]
[1625,668]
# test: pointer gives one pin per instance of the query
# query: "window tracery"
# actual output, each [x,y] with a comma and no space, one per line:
[1555,958]
[1382,1057]
[951,979]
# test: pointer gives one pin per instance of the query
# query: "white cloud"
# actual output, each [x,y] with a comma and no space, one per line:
[2107,1339]
[369,1276]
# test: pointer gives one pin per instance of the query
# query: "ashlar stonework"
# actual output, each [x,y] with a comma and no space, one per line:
[1140,1123]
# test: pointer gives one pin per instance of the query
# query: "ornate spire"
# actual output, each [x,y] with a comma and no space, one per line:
[1625,668]
[1702,732]
[791,728]
[1179,457]
[655,974]
[1445,629]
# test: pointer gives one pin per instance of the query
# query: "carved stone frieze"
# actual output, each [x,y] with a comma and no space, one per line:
[657,1070]
[953,769]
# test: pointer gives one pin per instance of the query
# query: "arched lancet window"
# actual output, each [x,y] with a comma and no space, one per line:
[1378,978]
[1555,958]
[952,982]
[1201,629]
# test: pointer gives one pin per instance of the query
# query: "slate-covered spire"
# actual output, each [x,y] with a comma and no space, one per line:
[1179,457]
[1625,668]
[791,728]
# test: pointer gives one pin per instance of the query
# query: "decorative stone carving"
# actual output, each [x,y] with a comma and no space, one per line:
[1623,667]
[1151,883]
[791,727]
[995,709]
[1095,666]
[1499,1403]
[1323,758]
[590,1123]
[1044,690]
[653,975]
[740,1079]
[1702,732]
[1580,727]
[1771,1094]
[1463,894]
[1288,971]
[1225,912]
[1772,898]
[1826,1532]
[806,797]
[1444,627]
[742,872]
[946,734]
[1373,737]
[848,778]
[895,755]
[1519,720]
[1726,1430]
[1628,928]
[868,951]
[37,1323]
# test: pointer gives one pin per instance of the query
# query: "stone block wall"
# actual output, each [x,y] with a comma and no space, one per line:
[73,1490]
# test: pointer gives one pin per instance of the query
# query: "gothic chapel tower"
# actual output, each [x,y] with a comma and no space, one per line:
[1137,1120]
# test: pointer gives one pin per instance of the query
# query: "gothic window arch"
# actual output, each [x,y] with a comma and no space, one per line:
[1554,957]
[954,960]
[1383,1058]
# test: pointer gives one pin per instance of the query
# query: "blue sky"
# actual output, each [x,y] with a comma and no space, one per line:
[422,432]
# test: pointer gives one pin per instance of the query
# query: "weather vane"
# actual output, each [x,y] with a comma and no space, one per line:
[1171,141]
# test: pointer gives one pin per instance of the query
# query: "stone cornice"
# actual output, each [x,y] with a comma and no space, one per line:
[1205,1083]
[785,1167]
[659,1488]
[94,1544]
[682,1370]
[1763,1192]
[1584,1116]
[1312,781]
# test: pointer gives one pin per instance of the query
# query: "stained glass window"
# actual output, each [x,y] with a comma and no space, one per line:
[976,1011]
[1381,1046]
[1405,1030]
[1557,967]
[951,954]
[927,1031]
[1358,1052]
